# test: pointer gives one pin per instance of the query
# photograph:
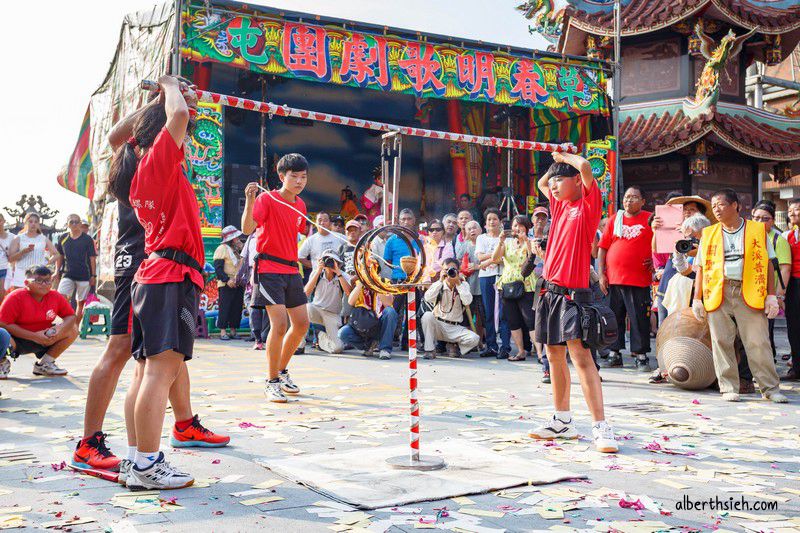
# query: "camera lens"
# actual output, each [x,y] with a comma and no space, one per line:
[684,246]
[329,262]
[452,272]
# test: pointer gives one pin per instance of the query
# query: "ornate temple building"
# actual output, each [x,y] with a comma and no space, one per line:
[685,121]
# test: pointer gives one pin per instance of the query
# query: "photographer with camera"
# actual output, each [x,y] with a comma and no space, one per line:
[516,289]
[327,284]
[449,296]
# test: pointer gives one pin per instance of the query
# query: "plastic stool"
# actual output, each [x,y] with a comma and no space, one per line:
[202,325]
[88,328]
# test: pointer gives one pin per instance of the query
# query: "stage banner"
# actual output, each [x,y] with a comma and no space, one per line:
[602,156]
[206,170]
[332,54]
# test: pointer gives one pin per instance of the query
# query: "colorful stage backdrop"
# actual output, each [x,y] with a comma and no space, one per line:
[388,63]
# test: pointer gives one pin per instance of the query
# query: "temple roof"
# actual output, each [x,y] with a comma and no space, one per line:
[642,16]
[653,129]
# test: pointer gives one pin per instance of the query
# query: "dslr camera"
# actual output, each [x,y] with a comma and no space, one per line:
[452,272]
[329,262]
[684,246]
[542,243]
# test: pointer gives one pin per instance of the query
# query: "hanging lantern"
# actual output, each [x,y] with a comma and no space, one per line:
[783,172]
[698,161]
[774,53]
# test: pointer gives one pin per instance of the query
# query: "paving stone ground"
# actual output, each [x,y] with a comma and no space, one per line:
[675,443]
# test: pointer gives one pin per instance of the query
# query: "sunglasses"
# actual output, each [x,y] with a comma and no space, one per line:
[73,222]
[437,229]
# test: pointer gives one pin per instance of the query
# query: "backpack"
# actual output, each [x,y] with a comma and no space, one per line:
[365,322]
[599,325]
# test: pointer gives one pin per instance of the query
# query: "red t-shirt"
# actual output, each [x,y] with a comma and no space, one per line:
[166,206]
[279,225]
[625,255]
[572,232]
[22,309]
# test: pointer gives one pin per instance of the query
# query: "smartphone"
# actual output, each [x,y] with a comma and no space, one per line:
[506,225]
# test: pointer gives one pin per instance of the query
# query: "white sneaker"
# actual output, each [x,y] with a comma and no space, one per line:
[5,367]
[604,440]
[730,396]
[274,392]
[124,471]
[384,355]
[48,368]
[326,344]
[554,429]
[158,476]
[287,385]
[776,397]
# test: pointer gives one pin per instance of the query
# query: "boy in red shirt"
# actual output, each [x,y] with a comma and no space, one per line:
[147,174]
[625,267]
[27,314]
[575,204]
[280,216]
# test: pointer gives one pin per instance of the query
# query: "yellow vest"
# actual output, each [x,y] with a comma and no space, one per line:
[754,269]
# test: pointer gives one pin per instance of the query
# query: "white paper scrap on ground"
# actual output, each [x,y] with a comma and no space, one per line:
[362,477]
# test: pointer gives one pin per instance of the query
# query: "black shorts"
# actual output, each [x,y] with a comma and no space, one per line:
[519,313]
[164,318]
[558,319]
[27,346]
[122,314]
[279,289]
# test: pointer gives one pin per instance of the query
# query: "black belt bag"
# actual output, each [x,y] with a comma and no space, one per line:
[598,322]
[178,256]
[513,290]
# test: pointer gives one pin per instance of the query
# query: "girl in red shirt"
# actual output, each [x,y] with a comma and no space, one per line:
[146,173]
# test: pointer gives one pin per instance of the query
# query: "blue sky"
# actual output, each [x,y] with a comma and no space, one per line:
[55,61]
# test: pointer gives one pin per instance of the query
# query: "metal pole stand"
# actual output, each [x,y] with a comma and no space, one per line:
[414,461]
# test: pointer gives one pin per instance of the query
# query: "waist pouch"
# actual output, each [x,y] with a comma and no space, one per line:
[513,290]
[598,324]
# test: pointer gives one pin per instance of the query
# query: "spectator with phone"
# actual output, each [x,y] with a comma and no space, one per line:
[485,245]
[517,290]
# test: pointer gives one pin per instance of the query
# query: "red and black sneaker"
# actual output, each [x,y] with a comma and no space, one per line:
[195,435]
[91,453]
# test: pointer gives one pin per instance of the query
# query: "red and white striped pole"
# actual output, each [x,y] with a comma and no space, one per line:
[412,373]
[414,461]
[286,111]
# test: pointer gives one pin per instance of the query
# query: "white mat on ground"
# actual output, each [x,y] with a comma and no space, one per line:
[362,477]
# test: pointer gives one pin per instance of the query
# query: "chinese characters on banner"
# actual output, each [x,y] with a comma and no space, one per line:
[384,62]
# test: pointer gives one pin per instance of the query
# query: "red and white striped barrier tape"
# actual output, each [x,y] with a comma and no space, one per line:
[286,111]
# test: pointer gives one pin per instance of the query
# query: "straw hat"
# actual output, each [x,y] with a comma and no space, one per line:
[680,200]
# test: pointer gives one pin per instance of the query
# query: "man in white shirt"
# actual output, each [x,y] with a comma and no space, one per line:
[449,296]
[313,247]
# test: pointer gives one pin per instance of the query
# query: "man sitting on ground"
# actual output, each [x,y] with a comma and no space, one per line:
[28,315]
[449,296]
[328,285]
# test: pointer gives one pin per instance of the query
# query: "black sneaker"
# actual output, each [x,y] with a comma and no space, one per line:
[488,352]
[300,351]
[546,377]
[502,355]
[614,361]
[642,365]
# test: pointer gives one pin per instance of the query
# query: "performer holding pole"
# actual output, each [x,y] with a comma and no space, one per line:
[147,173]
[92,454]
[279,216]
